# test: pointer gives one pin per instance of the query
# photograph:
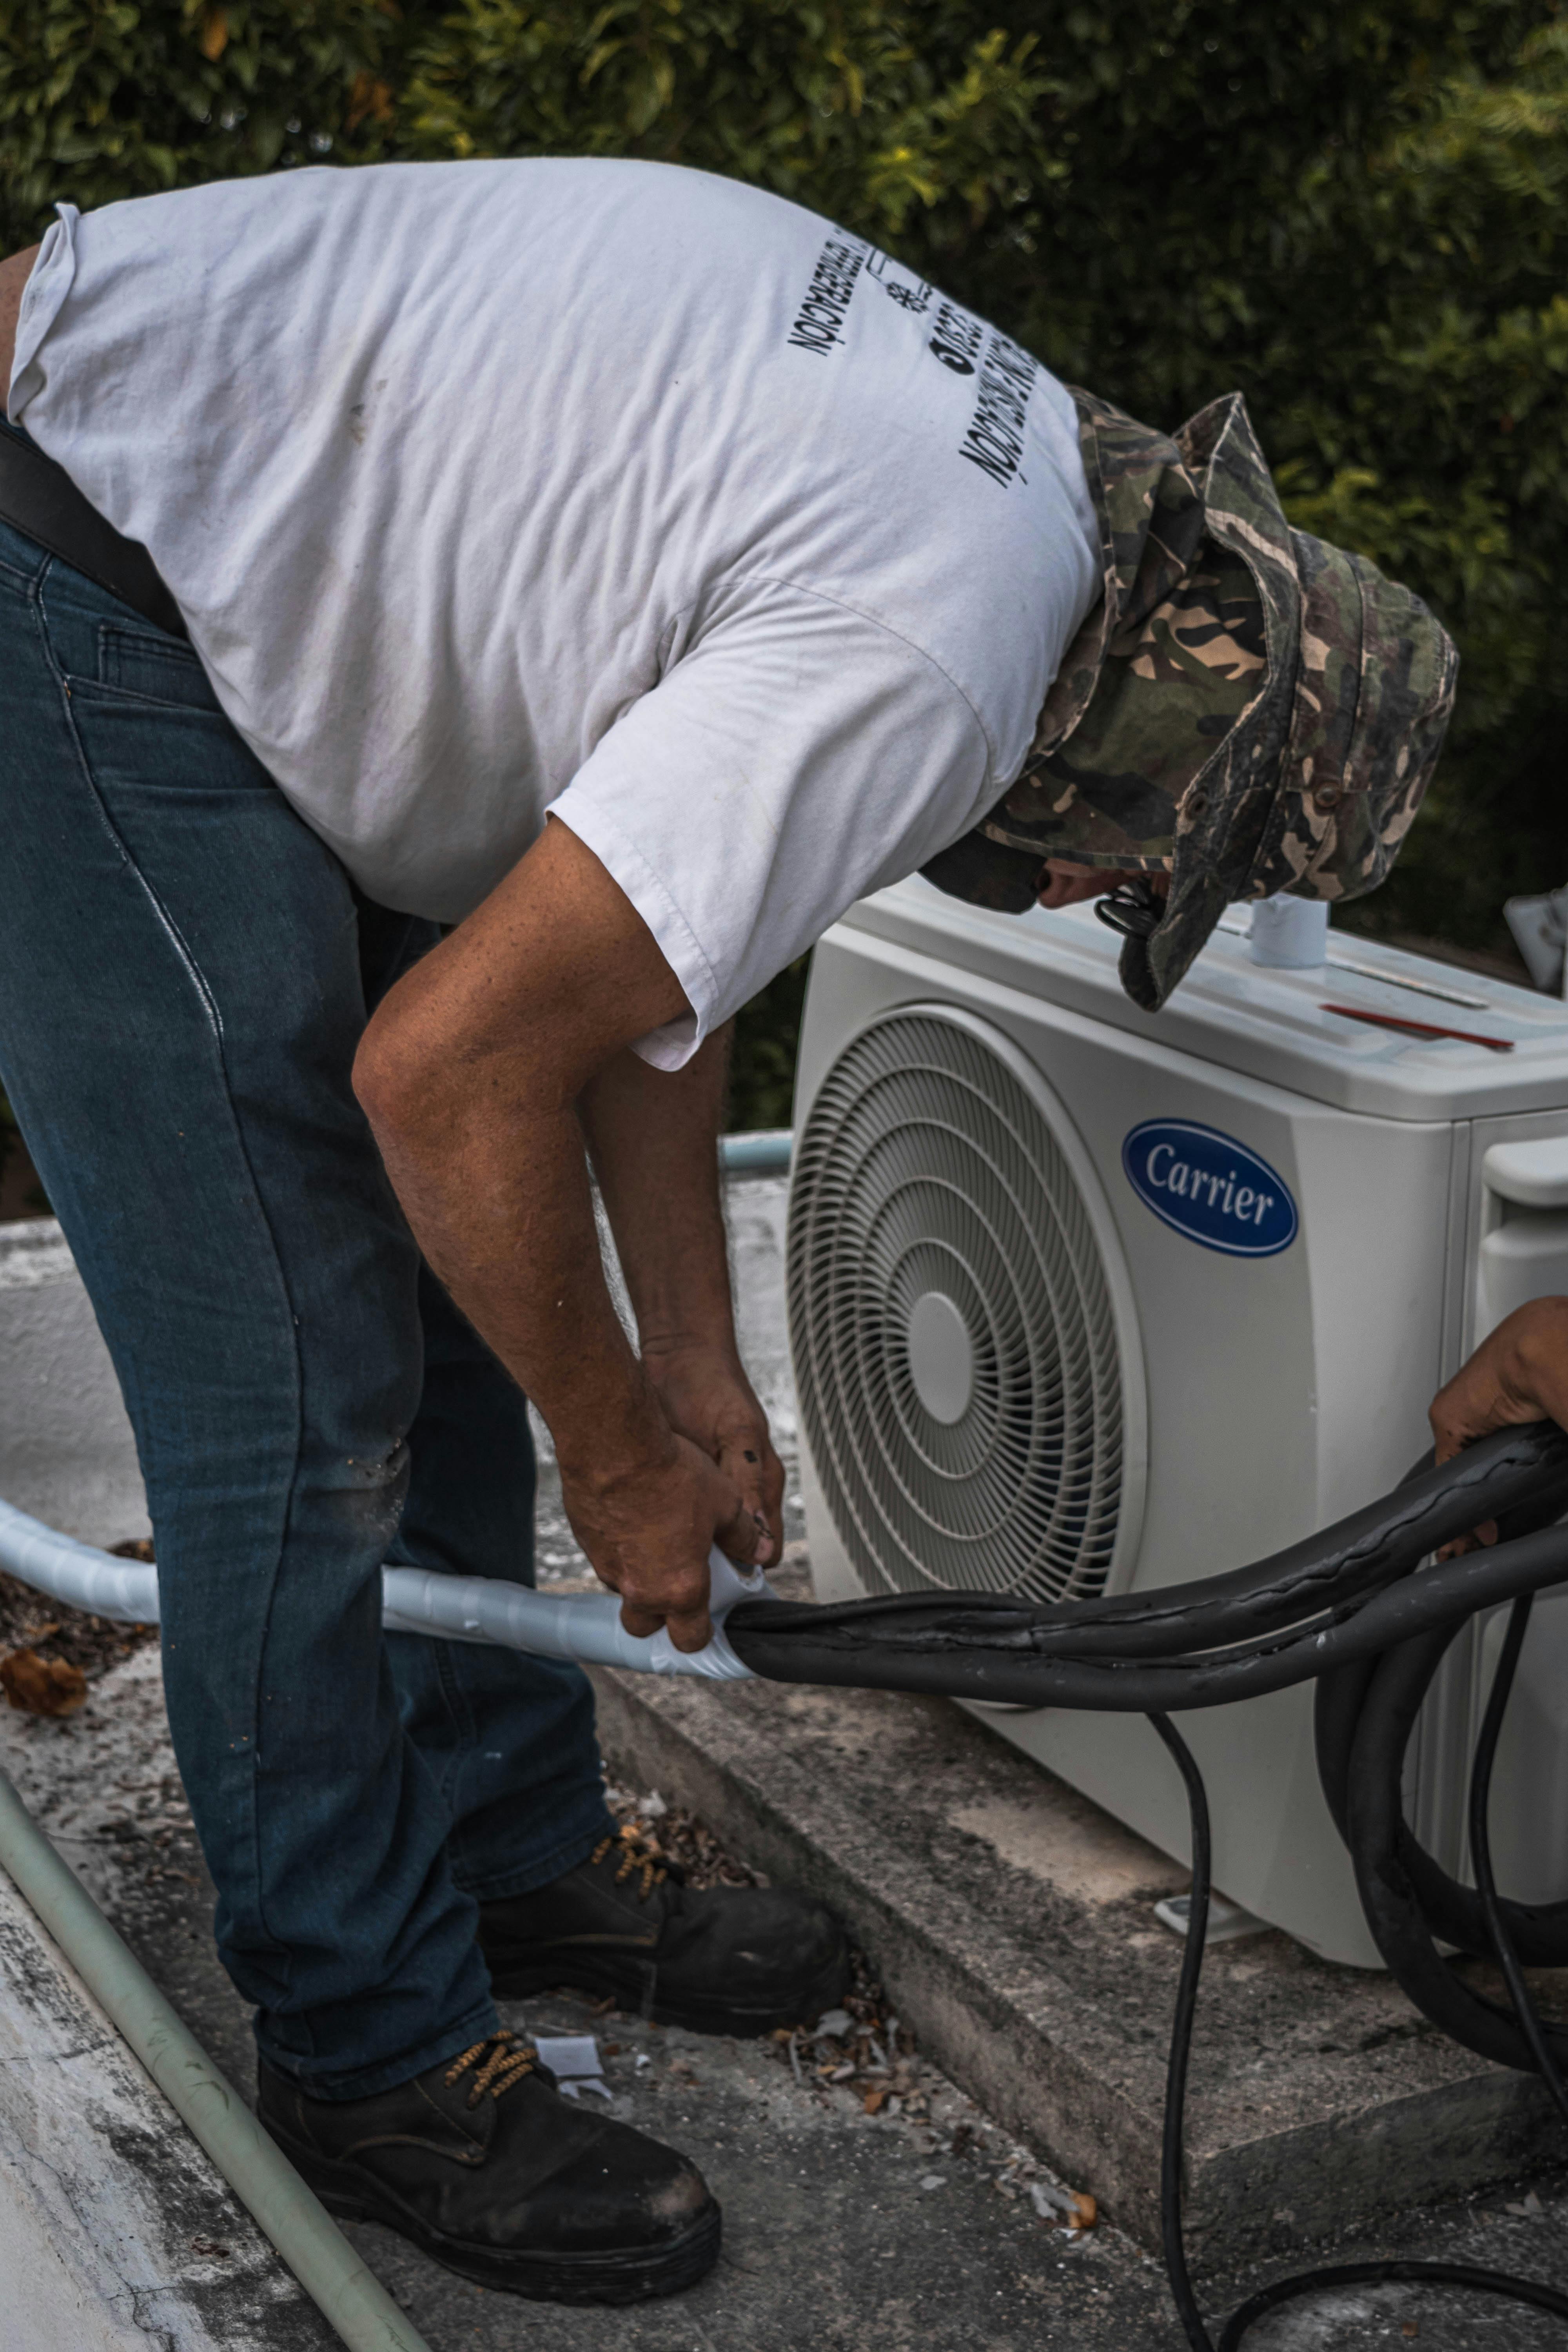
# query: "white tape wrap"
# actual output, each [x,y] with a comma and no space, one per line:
[583,1626]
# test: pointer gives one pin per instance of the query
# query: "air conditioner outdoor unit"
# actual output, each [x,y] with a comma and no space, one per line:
[1083,1300]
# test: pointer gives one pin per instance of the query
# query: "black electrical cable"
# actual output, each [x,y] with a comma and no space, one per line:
[1326,2278]
[1352,1610]
[1346,1594]
[1171,2234]
[972,1657]
[1541,2048]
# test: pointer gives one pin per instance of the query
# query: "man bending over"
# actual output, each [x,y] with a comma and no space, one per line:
[463,629]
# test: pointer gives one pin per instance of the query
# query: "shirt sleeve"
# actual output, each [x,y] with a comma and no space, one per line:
[48,282]
[799,756]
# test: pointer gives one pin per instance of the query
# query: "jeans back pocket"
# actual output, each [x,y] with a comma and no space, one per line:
[153,665]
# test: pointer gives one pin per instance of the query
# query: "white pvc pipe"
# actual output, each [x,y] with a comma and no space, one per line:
[584,1626]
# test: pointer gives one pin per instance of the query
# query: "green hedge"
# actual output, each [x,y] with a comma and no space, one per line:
[1356,213]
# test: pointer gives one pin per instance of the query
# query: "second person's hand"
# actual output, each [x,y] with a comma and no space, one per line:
[1518,1374]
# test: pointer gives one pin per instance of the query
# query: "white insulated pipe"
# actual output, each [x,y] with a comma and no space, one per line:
[76,1573]
[583,1626]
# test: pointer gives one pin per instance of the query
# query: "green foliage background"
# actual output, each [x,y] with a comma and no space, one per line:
[1357,212]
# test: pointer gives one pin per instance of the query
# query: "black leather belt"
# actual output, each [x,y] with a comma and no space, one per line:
[40,498]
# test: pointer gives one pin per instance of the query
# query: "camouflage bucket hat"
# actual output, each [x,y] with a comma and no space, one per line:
[1247,709]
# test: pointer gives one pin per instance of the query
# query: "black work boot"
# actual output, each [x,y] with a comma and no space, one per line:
[728,1959]
[483,2164]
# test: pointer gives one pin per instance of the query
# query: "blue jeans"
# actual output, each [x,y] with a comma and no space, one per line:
[185,973]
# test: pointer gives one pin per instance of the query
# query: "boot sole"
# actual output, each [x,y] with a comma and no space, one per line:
[699,2013]
[623,2274]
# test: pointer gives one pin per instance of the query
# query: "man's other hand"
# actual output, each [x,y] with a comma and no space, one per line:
[707,1398]
[649,1531]
[1519,1374]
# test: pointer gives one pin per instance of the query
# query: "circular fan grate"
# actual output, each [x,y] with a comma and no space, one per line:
[954,1329]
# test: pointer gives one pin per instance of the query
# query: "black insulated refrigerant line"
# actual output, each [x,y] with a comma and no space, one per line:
[1352,1608]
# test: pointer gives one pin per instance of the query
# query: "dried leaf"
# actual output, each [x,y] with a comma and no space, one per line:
[215,35]
[42,1685]
[874,2100]
[368,95]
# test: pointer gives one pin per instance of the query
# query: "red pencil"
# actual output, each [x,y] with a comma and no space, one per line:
[1417,1028]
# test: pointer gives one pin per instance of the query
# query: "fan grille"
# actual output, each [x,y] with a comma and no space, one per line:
[953,1328]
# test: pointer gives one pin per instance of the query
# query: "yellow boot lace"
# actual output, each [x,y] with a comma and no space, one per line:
[509,2060]
[640,1855]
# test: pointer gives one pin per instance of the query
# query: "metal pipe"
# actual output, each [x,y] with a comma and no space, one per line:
[765,1151]
[261,2176]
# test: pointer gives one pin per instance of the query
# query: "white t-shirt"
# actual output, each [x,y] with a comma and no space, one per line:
[608,489]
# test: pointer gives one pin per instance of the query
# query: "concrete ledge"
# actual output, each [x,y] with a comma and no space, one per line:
[1011,1923]
[115,2229]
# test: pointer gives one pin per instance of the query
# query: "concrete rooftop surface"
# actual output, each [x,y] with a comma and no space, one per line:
[1008,1923]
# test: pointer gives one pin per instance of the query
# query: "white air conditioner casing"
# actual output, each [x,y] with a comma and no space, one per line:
[1020,1369]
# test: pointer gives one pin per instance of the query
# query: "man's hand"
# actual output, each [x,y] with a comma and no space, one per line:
[654,1140]
[648,1532]
[1519,1374]
[708,1398]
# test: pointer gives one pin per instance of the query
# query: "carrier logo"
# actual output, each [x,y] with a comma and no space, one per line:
[1210,1187]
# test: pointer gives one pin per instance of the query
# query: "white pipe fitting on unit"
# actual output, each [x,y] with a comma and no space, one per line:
[1290,934]
[583,1626]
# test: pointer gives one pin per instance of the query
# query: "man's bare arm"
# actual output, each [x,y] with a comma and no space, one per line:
[470,1072]
[14,275]
[654,1138]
